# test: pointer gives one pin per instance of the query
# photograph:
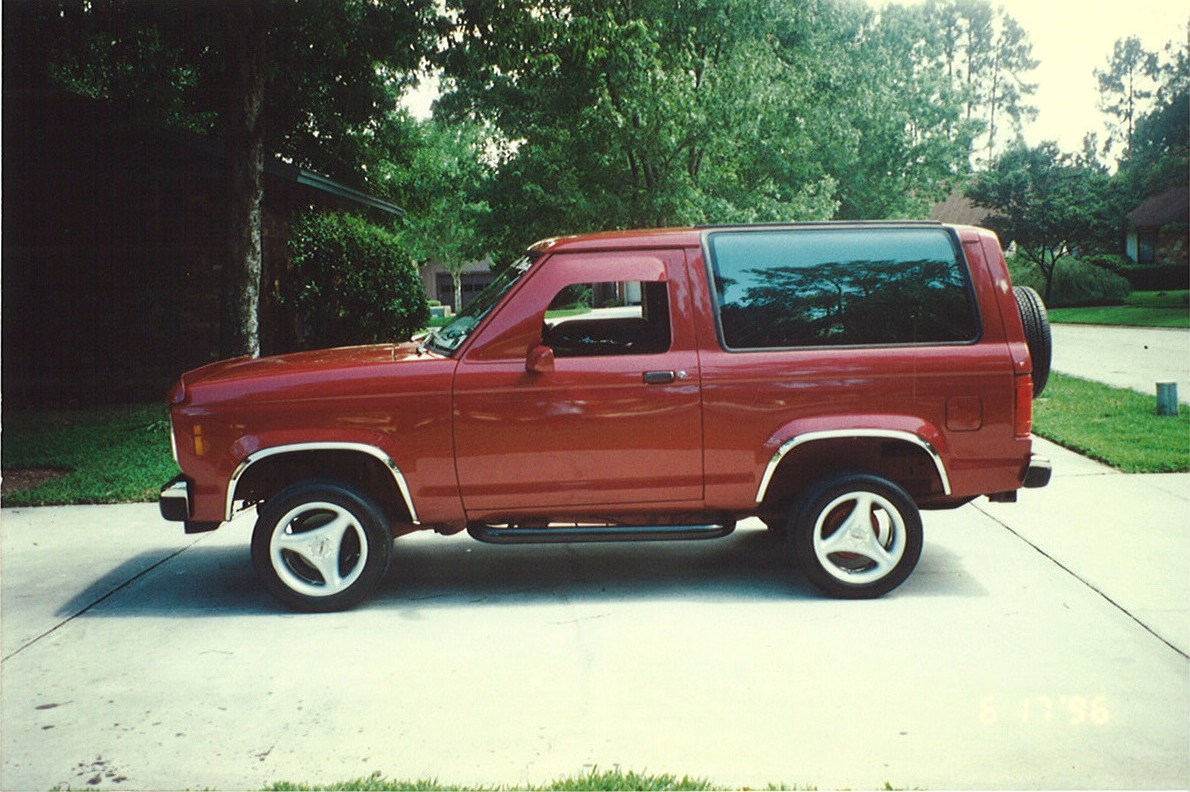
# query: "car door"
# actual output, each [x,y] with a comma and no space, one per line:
[614,418]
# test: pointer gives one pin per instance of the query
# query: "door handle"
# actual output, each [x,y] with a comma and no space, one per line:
[659,377]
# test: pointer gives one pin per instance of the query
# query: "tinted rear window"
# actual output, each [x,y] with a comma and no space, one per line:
[841,287]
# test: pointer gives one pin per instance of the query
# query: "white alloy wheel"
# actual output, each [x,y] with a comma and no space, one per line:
[859,537]
[321,546]
[318,549]
[855,535]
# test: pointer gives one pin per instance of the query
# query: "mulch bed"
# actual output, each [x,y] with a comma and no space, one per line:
[28,478]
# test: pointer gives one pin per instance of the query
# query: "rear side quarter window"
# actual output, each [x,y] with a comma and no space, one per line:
[821,287]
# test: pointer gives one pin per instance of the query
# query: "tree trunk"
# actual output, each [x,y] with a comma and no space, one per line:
[457,277]
[243,141]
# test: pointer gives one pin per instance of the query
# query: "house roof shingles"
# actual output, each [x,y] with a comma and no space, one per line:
[1167,207]
[958,209]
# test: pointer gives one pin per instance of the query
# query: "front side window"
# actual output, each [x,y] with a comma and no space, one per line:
[608,318]
[812,287]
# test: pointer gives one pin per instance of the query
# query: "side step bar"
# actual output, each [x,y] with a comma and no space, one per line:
[558,534]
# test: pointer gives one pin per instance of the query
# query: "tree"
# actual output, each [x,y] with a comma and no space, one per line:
[1159,156]
[644,112]
[639,113]
[987,56]
[441,179]
[1125,87]
[888,126]
[1049,205]
[304,79]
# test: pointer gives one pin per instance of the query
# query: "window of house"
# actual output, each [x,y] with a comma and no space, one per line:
[1146,246]
[608,318]
[812,287]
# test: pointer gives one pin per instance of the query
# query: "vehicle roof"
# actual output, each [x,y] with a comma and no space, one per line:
[691,236]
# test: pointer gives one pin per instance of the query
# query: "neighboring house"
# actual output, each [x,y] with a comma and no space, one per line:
[440,284]
[114,238]
[958,209]
[1159,228]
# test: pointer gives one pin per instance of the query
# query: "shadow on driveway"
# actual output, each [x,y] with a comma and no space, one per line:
[457,572]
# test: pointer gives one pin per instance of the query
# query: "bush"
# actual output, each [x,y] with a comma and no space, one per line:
[1075,283]
[351,283]
[1144,277]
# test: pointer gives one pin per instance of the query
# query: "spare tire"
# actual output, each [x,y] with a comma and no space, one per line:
[1037,334]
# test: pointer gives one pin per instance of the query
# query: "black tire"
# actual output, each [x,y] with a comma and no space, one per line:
[1037,334]
[321,546]
[845,555]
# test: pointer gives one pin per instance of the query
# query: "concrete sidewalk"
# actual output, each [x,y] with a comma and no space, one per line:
[1039,645]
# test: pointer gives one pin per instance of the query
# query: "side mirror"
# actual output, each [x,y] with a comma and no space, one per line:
[540,360]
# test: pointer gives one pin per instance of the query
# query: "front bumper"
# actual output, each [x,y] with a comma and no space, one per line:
[175,500]
[175,506]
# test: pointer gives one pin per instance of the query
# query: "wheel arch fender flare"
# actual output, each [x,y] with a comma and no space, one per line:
[252,450]
[914,431]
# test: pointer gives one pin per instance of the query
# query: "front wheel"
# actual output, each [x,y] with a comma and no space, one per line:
[856,536]
[320,546]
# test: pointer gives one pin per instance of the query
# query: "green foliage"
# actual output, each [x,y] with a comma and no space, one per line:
[1146,94]
[1049,204]
[351,283]
[654,113]
[986,56]
[1125,86]
[1114,425]
[332,70]
[1074,282]
[1144,277]
[439,177]
[111,454]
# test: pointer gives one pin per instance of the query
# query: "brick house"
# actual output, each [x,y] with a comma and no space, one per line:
[1159,228]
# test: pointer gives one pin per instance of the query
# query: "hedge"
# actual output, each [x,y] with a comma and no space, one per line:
[351,283]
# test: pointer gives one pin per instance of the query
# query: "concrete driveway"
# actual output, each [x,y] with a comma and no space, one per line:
[1039,645]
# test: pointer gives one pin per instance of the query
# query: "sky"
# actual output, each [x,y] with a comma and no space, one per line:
[1071,38]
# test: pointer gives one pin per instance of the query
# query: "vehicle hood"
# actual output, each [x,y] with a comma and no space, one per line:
[300,374]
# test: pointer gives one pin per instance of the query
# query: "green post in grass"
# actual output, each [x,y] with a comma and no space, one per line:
[1167,398]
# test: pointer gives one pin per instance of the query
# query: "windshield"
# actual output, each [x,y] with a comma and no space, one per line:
[447,339]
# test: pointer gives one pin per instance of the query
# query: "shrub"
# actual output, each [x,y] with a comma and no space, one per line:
[1160,277]
[351,283]
[1145,277]
[1075,283]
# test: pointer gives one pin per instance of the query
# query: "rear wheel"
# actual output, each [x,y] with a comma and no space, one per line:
[856,536]
[1037,334]
[320,546]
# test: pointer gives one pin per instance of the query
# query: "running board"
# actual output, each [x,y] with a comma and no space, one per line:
[558,534]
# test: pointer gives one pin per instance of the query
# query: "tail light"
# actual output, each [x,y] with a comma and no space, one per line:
[1023,413]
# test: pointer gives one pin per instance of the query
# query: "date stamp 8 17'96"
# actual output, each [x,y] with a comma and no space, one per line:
[1069,710]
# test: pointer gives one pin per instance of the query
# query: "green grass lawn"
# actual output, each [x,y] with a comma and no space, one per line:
[1118,426]
[594,780]
[1141,309]
[107,454]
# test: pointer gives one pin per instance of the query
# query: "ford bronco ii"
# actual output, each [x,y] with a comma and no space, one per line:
[832,379]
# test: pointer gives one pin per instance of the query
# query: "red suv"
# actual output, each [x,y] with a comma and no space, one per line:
[830,378]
